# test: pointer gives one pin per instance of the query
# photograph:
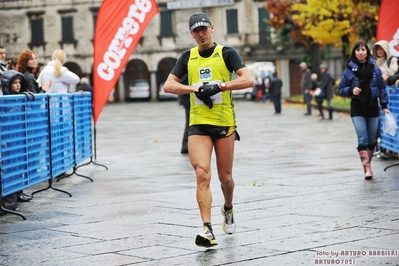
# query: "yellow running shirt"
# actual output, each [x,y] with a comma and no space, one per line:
[210,70]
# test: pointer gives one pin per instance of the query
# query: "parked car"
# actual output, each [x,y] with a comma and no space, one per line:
[162,95]
[246,94]
[139,89]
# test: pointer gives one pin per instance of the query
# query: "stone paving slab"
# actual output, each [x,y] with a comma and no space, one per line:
[299,196]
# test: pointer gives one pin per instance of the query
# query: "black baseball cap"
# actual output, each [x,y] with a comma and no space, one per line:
[199,19]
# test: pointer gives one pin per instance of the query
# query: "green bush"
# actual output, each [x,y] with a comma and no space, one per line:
[337,102]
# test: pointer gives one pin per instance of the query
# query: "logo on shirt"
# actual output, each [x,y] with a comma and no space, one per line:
[205,73]
[217,55]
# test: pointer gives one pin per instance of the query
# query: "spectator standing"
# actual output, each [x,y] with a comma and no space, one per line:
[12,64]
[387,63]
[3,63]
[362,81]
[263,87]
[27,65]
[306,85]
[21,196]
[210,68]
[326,86]
[12,83]
[59,76]
[389,66]
[84,85]
[393,79]
[275,93]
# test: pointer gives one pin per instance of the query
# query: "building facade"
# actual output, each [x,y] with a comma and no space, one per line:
[46,25]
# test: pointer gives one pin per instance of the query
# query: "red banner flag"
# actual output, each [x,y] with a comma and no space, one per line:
[388,25]
[119,27]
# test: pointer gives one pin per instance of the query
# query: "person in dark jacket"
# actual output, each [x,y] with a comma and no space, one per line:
[8,80]
[326,86]
[13,82]
[393,79]
[275,93]
[306,86]
[84,85]
[27,65]
[362,81]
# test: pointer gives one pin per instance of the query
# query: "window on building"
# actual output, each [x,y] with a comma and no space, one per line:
[94,13]
[232,21]
[67,30]
[166,23]
[37,32]
[264,27]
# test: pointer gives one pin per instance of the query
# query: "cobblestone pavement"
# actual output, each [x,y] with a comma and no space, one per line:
[300,197]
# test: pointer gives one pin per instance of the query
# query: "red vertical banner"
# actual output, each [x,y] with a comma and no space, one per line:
[388,25]
[119,27]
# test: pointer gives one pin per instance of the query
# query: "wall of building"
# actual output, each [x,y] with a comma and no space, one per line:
[15,35]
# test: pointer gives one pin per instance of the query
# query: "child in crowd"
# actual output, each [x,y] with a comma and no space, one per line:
[13,82]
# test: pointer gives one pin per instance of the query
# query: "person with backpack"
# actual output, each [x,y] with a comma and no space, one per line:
[389,66]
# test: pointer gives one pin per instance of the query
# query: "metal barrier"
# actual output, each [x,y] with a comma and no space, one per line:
[41,137]
[391,143]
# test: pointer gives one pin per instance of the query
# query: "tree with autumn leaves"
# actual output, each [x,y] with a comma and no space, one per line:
[315,23]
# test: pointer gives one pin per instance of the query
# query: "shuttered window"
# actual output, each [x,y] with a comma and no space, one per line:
[37,32]
[67,29]
[264,27]
[166,23]
[232,21]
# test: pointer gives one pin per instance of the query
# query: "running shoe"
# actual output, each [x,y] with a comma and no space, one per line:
[228,226]
[206,239]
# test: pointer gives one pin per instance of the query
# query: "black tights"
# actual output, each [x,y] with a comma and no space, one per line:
[320,108]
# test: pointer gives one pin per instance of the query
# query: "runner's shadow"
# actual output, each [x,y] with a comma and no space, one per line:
[207,257]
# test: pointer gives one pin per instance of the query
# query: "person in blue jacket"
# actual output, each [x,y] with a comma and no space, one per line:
[362,81]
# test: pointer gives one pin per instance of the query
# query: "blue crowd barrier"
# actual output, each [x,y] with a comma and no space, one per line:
[83,126]
[61,133]
[388,142]
[42,136]
[25,155]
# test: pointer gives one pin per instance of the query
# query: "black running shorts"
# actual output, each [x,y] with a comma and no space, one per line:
[215,132]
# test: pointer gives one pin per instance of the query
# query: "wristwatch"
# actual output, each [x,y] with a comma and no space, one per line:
[223,86]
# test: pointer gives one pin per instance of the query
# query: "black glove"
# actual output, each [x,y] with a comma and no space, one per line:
[206,100]
[209,90]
